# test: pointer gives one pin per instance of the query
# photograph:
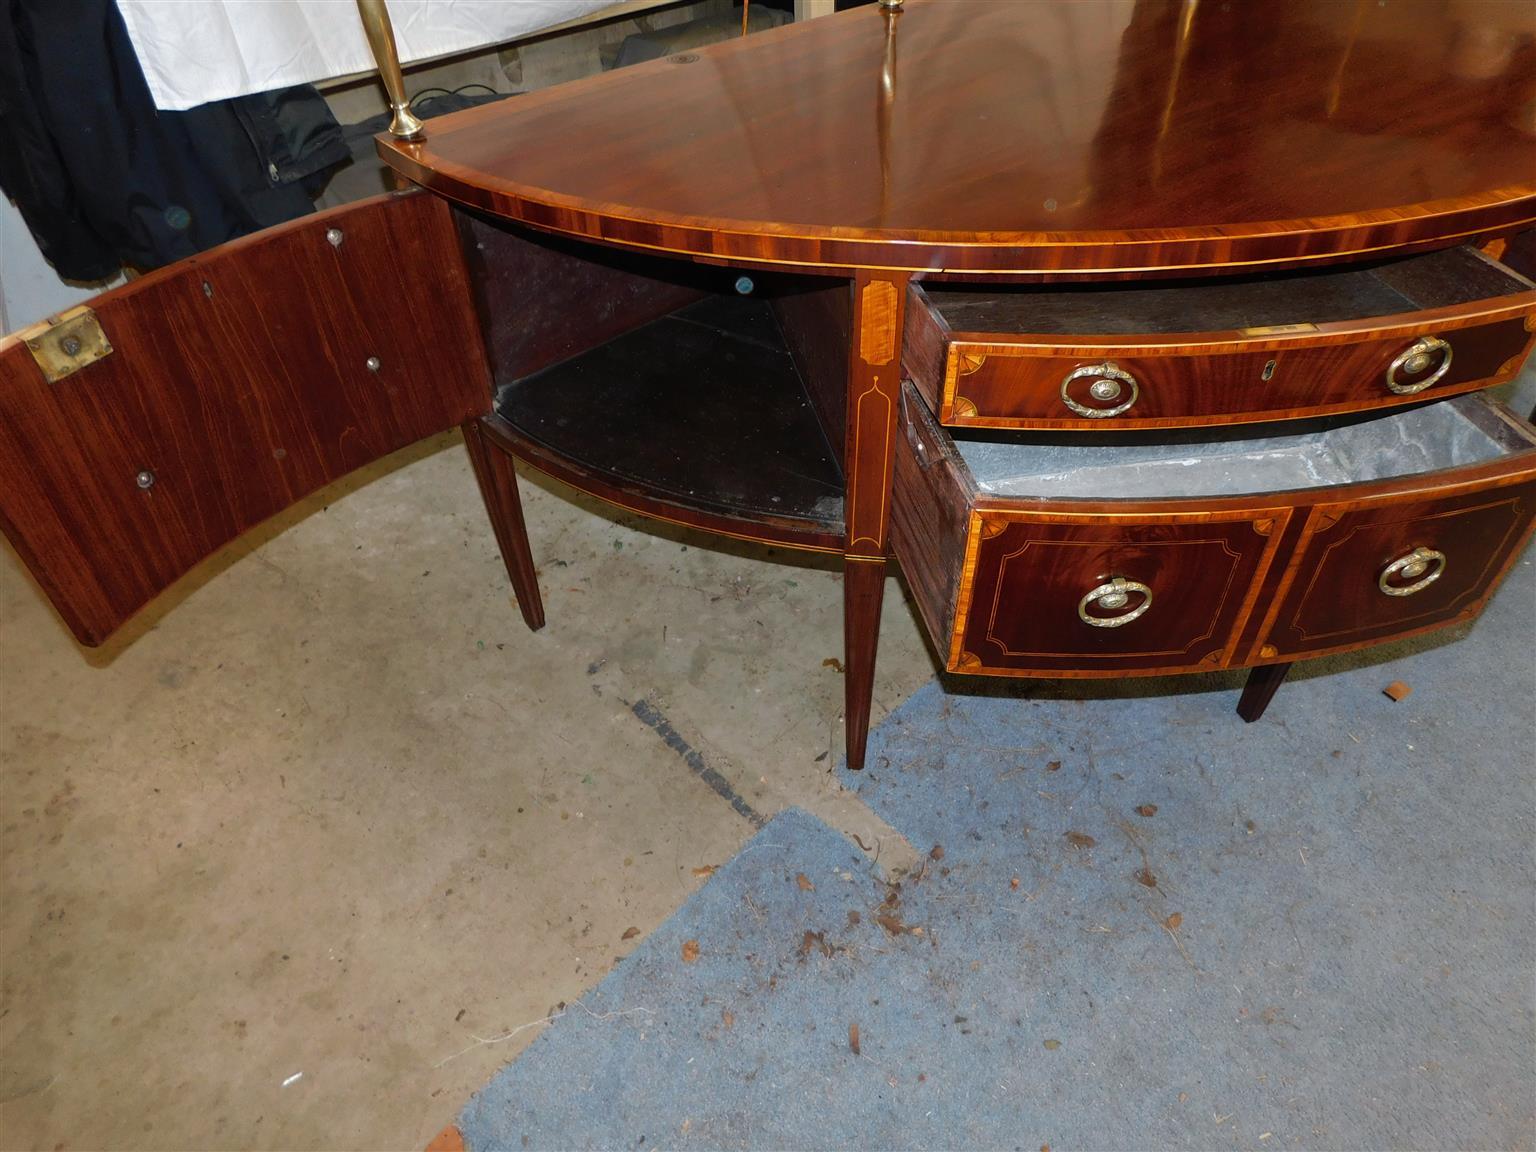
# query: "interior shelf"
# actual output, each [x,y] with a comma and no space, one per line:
[700,417]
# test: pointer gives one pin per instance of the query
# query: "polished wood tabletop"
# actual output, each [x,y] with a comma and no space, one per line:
[1032,136]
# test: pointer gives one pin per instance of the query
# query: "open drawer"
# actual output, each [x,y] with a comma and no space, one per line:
[1058,558]
[1218,351]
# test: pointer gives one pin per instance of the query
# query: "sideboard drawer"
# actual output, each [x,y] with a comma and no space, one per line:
[1051,558]
[1137,593]
[1217,352]
[1370,572]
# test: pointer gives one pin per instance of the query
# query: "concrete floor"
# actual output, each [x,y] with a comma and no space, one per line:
[331,809]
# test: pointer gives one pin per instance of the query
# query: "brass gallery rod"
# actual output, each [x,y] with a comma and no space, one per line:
[403,122]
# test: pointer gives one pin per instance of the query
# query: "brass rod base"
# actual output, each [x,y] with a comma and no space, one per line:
[405,124]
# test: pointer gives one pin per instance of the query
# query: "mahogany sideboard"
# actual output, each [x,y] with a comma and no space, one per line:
[1145,337]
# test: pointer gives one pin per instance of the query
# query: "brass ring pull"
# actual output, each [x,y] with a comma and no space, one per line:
[1114,595]
[1412,567]
[1414,359]
[1109,383]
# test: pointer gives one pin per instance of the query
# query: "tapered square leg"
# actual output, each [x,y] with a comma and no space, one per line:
[874,399]
[498,488]
[1263,682]
[863,592]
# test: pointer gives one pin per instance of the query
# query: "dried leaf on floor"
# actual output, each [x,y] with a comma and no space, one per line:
[936,852]
[704,870]
[892,924]
[1173,921]
[630,933]
[853,1038]
[1147,810]
[1146,877]
[690,951]
[1014,883]
[816,940]
[1081,840]
[1053,766]
[833,663]
[728,1018]
[804,882]
[1052,1045]
[1397,690]
[853,918]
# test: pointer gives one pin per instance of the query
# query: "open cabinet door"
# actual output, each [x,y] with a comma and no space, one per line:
[192,404]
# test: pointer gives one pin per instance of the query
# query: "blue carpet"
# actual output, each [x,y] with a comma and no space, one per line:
[1324,936]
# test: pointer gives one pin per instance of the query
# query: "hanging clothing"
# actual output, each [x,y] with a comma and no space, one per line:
[104,179]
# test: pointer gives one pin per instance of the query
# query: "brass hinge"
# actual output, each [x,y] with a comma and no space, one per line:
[66,343]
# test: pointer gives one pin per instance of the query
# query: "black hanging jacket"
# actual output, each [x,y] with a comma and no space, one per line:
[103,178]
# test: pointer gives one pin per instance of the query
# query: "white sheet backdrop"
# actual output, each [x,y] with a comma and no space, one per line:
[193,51]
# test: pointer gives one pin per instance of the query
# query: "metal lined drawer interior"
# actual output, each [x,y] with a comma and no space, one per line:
[1215,463]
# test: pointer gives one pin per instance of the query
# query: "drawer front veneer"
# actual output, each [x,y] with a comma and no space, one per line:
[1101,597]
[1014,386]
[1216,352]
[237,382]
[1365,573]
[1032,585]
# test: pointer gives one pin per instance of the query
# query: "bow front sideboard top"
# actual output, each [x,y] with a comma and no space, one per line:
[1143,337]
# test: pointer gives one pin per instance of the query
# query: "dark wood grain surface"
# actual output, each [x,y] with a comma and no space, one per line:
[497,479]
[240,381]
[543,300]
[1236,580]
[702,410]
[1028,579]
[863,593]
[1026,136]
[932,495]
[820,533]
[817,323]
[1224,381]
[1233,349]
[1331,598]
[1263,682]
